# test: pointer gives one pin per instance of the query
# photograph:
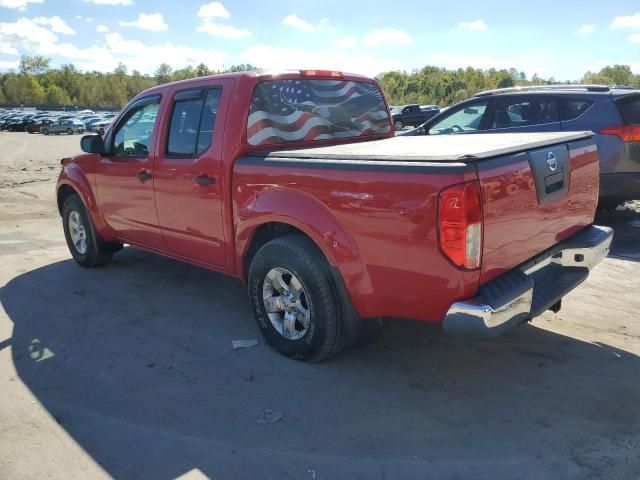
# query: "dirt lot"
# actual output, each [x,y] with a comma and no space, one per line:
[128,371]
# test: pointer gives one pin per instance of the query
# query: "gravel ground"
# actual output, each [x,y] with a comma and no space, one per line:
[128,371]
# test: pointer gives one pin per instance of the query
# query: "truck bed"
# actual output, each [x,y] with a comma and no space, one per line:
[435,148]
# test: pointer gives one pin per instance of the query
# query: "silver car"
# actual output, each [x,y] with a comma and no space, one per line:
[69,126]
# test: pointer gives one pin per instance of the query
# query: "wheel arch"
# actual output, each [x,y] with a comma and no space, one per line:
[73,181]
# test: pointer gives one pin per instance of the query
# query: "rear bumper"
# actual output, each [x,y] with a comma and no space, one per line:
[530,289]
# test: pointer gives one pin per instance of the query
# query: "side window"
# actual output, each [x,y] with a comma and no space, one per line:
[467,118]
[192,122]
[133,135]
[523,112]
[571,109]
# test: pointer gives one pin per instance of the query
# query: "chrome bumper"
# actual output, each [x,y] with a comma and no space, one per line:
[530,289]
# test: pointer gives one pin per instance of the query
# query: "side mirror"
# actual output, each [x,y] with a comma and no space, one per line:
[92,144]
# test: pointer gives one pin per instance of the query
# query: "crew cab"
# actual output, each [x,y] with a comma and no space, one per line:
[294,183]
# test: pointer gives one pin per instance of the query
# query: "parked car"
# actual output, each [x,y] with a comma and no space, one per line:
[69,126]
[327,217]
[412,115]
[18,124]
[36,126]
[612,113]
[99,127]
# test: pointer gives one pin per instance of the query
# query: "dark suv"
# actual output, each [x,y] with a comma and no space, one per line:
[612,113]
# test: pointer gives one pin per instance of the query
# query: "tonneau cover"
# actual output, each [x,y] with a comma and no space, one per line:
[437,148]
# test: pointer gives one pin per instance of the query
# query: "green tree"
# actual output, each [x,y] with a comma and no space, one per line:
[57,96]
[202,70]
[35,65]
[163,73]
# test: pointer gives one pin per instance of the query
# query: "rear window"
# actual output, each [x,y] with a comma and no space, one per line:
[303,110]
[630,109]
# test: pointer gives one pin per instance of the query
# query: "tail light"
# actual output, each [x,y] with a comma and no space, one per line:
[460,224]
[321,73]
[627,133]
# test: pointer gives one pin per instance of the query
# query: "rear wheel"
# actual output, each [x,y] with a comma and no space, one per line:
[69,131]
[86,247]
[45,131]
[398,124]
[295,300]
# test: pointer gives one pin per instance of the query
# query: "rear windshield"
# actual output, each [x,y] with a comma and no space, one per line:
[303,110]
[630,108]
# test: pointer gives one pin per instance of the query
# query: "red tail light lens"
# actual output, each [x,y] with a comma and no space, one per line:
[460,224]
[321,73]
[627,133]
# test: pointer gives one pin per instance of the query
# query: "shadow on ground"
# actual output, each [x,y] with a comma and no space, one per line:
[134,361]
[626,240]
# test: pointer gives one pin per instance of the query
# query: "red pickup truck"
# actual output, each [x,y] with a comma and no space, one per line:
[295,184]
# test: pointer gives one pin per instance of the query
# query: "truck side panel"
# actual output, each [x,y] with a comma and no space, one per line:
[389,257]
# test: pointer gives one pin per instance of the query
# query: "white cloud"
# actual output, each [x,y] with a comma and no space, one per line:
[19,4]
[213,9]
[9,64]
[631,21]
[587,28]
[284,58]
[24,34]
[217,10]
[475,25]
[296,22]
[26,37]
[102,28]
[345,42]
[148,21]
[57,24]
[386,36]
[224,31]
[635,38]
[125,3]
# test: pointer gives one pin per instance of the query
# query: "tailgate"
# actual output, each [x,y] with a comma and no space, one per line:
[535,199]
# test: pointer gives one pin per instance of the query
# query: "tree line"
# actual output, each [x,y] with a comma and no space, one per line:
[433,85]
[37,83]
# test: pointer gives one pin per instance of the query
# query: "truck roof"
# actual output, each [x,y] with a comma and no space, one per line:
[436,148]
[262,75]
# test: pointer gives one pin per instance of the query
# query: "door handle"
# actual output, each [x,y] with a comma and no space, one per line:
[204,180]
[143,176]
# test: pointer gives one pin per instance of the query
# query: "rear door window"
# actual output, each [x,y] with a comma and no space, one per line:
[630,109]
[192,122]
[571,109]
[524,112]
[299,110]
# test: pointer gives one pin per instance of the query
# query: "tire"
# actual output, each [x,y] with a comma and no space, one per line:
[296,256]
[45,131]
[69,131]
[398,124]
[96,252]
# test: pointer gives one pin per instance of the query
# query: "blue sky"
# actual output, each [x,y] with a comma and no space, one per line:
[550,38]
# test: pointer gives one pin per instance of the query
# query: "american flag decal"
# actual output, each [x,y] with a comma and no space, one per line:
[302,110]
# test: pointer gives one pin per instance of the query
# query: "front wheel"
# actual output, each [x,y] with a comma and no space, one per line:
[69,131]
[295,300]
[86,247]
[398,125]
[45,132]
